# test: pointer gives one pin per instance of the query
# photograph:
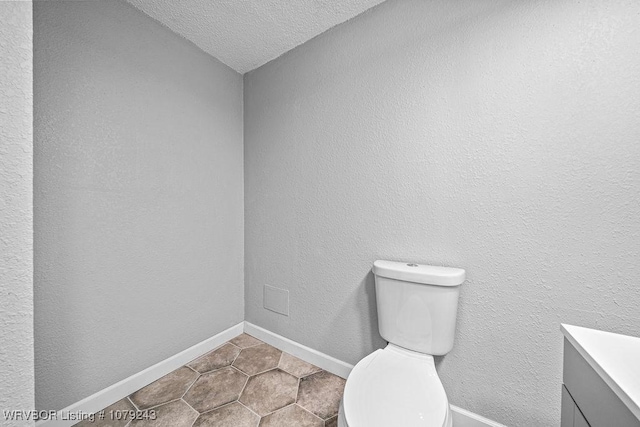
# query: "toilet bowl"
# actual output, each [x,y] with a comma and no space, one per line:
[399,385]
[395,387]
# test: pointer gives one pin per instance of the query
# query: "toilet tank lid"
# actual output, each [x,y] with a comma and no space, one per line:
[425,274]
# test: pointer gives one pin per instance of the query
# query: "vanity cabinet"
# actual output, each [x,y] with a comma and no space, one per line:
[601,376]
[571,414]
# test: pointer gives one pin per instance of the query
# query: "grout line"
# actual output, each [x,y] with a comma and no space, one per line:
[203,355]
[236,346]
[218,348]
[187,366]
[234,359]
[321,419]
[238,370]
[260,372]
[165,403]
[260,341]
[219,407]
[197,412]
[215,370]
[131,401]
[259,416]
[316,368]
[279,409]
[249,346]
[315,372]
[266,370]
[242,372]
[298,390]
[191,385]
[280,360]
[257,373]
[255,345]
[243,387]
[193,360]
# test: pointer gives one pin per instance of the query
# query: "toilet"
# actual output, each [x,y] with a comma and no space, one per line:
[398,385]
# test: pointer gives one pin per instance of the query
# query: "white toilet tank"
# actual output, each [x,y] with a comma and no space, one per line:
[417,305]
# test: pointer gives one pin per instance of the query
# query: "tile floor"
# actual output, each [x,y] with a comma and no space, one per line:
[244,382]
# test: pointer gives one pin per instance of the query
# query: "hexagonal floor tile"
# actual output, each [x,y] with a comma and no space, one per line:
[215,389]
[296,367]
[170,387]
[292,415]
[216,359]
[245,341]
[256,359]
[231,415]
[173,414]
[270,391]
[320,394]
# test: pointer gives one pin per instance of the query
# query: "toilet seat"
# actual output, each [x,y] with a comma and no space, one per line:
[395,387]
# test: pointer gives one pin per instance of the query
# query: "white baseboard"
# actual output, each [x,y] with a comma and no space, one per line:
[321,360]
[461,417]
[122,389]
[464,418]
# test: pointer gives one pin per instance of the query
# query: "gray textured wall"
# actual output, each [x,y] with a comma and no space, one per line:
[16,209]
[497,136]
[138,196]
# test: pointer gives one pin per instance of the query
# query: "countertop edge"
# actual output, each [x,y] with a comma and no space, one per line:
[633,406]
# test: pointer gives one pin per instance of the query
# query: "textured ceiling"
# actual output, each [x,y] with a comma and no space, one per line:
[246,34]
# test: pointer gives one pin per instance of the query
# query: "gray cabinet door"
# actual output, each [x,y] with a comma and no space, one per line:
[596,401]
[578,419]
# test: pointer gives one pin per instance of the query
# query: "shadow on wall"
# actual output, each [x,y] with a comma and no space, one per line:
[368,289]
[363,297]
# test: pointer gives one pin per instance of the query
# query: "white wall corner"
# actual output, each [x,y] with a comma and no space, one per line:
[321,360]
[124,388]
